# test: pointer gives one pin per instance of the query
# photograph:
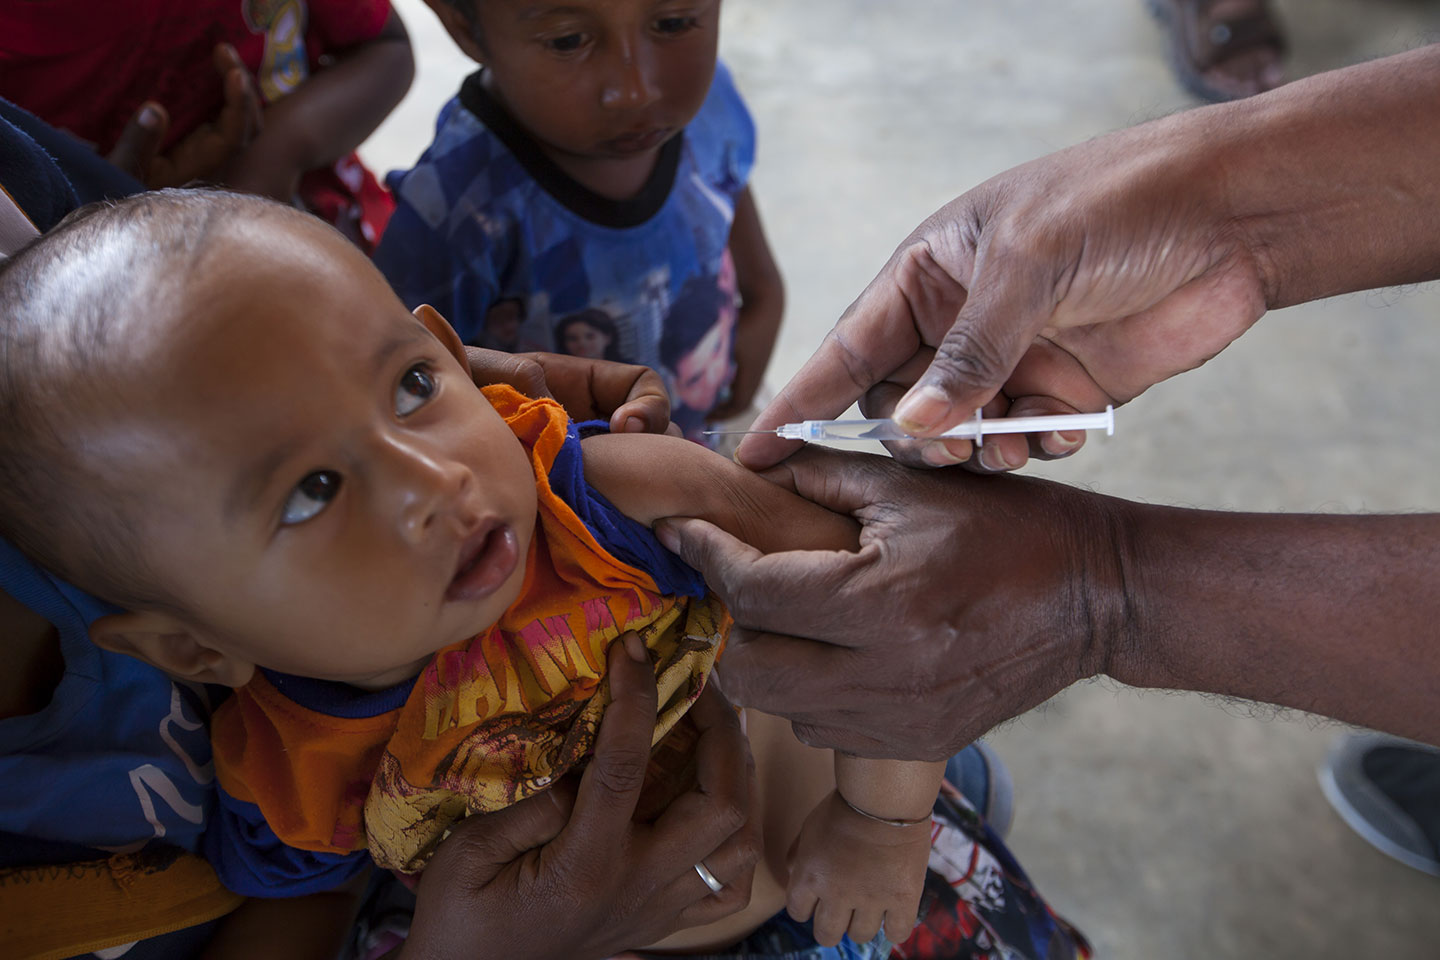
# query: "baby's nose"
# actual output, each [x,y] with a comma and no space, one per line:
[433,491]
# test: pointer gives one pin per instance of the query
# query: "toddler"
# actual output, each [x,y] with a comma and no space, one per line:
[599,160]
[326,71]
[223,420]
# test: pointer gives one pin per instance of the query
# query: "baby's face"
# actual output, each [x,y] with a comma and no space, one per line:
[328,493]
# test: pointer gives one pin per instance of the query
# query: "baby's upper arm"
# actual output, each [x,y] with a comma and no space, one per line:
[650,476]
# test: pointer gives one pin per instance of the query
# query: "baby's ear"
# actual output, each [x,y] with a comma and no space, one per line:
[162,641]
[443,332]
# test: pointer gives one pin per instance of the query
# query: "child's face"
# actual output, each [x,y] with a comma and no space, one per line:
[600,79]
[324,490]
[583,340]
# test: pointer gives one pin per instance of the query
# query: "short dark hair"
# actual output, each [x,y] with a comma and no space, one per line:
[67,300]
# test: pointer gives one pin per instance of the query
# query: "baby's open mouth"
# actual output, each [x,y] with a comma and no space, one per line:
[487,558]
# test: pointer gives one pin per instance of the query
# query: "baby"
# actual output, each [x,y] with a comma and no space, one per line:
[222,419]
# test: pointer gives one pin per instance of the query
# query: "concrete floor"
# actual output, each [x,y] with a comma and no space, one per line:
[1167,826]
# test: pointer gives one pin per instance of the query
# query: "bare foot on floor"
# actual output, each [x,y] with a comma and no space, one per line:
[1223,49]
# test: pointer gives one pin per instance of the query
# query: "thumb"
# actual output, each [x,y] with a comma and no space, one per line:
[140,141]
[485,844]
[1001,317]
[721,558]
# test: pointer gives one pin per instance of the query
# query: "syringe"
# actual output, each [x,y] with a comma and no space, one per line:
[975,429]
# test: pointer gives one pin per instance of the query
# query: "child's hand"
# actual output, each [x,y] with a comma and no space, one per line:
[205,151]
[855,874]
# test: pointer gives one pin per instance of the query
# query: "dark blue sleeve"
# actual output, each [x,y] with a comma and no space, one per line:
[253,862]
[50,173]
[626,539]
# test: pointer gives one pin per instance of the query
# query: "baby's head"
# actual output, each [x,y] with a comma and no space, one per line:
[592,79]
[220,417]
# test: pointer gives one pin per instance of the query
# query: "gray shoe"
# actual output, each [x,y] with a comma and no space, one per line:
[979,774]
[1388,791]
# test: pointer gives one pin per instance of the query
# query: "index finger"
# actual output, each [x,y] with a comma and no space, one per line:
[875,336]
[524,373]
[610,787]
[632,397]
[717,807]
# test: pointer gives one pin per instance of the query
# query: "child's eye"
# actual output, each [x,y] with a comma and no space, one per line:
[674,25]
[310,496]
[415,388]
[566,44]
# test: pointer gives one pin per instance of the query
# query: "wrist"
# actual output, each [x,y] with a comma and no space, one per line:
[1107,583]
[1329,183]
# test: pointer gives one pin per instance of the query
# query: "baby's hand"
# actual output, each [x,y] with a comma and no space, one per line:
[855,874]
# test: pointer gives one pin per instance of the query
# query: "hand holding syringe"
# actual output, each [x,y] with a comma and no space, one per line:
[975,429]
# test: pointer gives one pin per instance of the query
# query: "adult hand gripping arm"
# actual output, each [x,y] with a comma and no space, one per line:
[925,639]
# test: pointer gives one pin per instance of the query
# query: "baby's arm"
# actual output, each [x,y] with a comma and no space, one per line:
[762,303]
[651,476]
[859,861]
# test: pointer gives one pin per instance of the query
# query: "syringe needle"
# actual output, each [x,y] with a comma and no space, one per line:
[976,428]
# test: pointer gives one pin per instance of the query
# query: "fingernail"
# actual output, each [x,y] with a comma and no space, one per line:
[993,458]
[666,533]
[149,117]
[921,408]
[1058,443]
[634,425]
[938,455]
[636,648]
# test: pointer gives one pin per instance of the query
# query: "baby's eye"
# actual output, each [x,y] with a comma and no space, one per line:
[566,44]
[415,388]
[310,496]
[673,25]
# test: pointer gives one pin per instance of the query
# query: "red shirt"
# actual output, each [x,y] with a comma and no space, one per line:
[86,66]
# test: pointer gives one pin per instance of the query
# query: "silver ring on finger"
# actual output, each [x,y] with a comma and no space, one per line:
[709,878]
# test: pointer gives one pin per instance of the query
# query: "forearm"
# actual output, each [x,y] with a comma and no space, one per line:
[762,297]
[755,332]
[1331,614]
[889,789]
[1331,181]
[334,110]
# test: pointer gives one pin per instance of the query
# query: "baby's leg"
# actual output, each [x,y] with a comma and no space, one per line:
[792,779]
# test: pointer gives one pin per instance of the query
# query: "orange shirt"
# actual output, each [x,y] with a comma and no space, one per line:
[490,720]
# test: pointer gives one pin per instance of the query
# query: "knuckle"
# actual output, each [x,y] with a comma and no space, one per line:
[969,354]
[728,815]
[620,771]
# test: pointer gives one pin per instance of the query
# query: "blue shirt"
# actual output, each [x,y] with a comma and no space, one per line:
[119,757]
[514,253]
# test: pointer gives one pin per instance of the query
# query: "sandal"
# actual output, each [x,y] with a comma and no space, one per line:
[1201,42]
